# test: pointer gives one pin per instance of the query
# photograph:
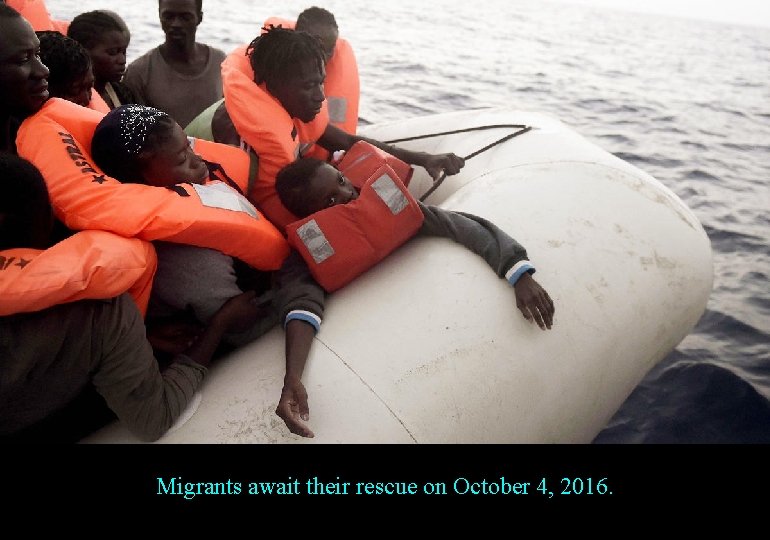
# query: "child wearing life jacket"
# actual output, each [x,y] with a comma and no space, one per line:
[135,143]
[56,359]
[311,187]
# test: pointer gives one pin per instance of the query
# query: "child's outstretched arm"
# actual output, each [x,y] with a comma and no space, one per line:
[292,407]
[300,303]
[504,254]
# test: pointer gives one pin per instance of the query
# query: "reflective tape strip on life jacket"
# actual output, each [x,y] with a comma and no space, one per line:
[342,85]
[272,134]
[342,242]
[55,140]
[87,265]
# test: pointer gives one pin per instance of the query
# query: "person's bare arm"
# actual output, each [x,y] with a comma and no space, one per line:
[335,139]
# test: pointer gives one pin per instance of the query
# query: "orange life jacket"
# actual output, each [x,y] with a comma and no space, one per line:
[97,103]
[342,86]
[263,123]
[87,265]
[38,16]
[57,140]
[342,242]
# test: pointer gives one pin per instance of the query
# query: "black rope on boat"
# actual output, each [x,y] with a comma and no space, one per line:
[521,130]
[465,130]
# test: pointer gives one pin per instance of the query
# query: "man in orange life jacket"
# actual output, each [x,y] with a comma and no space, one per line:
[23,77]
[47,392]
[342,84]
[275,104]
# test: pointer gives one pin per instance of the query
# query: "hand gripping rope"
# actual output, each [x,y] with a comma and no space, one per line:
[521,129]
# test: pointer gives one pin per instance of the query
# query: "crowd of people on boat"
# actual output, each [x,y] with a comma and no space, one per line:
[161,213]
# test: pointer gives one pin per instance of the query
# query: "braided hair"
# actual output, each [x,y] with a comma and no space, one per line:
[89,27]
[65,58]
[279,53]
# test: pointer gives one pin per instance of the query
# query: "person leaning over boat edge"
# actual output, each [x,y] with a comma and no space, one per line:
[140,144]
[275,104]
[309,185]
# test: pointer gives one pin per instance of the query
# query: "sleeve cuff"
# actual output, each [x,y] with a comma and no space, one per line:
[517,270]
[307,316]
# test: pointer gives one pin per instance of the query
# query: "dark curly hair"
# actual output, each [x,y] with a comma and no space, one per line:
[279,53]
[66,59]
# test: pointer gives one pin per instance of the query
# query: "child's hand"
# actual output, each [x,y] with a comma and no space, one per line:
[293,408]
[533,301]
[450,164]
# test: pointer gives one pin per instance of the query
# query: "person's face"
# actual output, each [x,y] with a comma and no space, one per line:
[23,77]
[109,57]
[79,91]
[328,187]
[174,162]
[302,94]
[179,20]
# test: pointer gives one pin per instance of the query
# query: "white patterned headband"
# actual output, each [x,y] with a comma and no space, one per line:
[135,122]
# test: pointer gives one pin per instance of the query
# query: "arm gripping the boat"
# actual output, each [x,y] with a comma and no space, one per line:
[335,139]
[504,254]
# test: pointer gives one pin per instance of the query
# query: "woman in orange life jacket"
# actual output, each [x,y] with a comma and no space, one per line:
[275,103]
[57,359]
[23,77]
[105,36]
[135,143]
[309,186]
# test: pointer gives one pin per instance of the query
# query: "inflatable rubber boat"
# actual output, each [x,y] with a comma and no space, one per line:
[429,347]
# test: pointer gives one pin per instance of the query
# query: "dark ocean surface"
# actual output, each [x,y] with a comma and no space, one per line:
[686,101]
